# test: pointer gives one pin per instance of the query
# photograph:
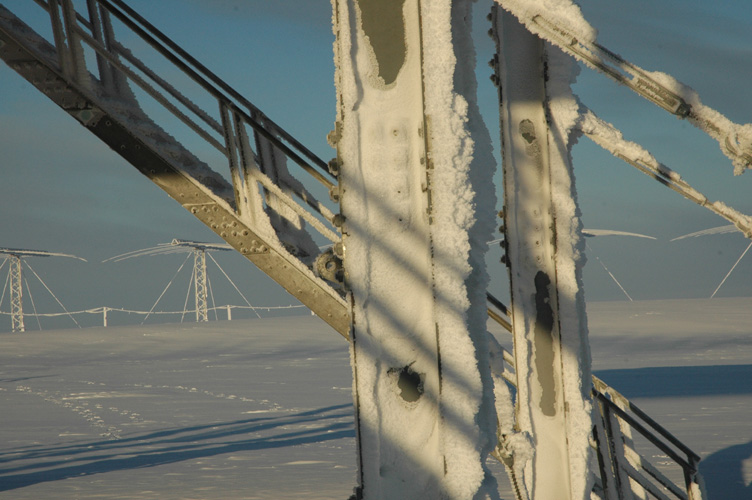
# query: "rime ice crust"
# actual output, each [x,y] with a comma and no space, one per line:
[567,21]
[464,221]
[415,238]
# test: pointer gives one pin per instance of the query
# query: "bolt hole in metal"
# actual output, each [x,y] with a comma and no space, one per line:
[409,383]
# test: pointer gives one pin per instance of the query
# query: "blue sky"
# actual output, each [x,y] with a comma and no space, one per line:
[65,191]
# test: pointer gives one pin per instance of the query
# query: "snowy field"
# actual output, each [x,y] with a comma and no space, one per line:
[261,409]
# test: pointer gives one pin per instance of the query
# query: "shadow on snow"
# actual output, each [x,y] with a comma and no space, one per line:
[728,472]
[678,381]
[173,445]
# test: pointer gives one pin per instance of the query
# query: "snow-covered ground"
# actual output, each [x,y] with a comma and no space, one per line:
[688,364]
[261,409]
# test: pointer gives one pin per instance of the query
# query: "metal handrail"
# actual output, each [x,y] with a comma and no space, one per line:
[74,28]
[255,182]
[629,413]
[212,83]
[602,388]
[227,97]
[644,431]
[638,420]
[122,51]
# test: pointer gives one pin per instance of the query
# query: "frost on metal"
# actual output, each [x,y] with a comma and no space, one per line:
[561,23]
[545,255]
[611,139]
[418,206]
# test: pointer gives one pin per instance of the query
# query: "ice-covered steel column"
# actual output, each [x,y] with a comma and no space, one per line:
[543,238]
[411,236]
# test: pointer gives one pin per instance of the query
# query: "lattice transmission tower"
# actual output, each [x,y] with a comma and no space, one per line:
[15,258]
[199,250]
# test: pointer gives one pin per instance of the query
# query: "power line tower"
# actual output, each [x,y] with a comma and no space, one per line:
[16,294]
[199,283]
[199,273]
[199,250]
[15,272]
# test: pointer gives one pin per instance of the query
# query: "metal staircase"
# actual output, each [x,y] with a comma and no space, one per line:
[624,436]
[623,469]
[249,192]
[245,193]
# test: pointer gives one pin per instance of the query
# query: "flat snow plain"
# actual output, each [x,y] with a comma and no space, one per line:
[261,409]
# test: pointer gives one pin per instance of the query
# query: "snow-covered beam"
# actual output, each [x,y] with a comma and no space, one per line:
[409,179]
[543,236]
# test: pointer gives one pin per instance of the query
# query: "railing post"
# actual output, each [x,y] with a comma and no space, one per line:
[58,36]
[232,153]
[249,168]
[289,226]
[616,449]
[98,31]
[621,441]
[609,468]
[120,82]
[77,70]
[694,482]
[627,455]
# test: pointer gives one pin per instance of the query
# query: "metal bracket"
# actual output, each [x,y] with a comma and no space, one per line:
[89,117]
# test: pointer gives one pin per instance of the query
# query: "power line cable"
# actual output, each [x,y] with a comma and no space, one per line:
[234,285]
[731,270]
[50,291]
[165,290]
